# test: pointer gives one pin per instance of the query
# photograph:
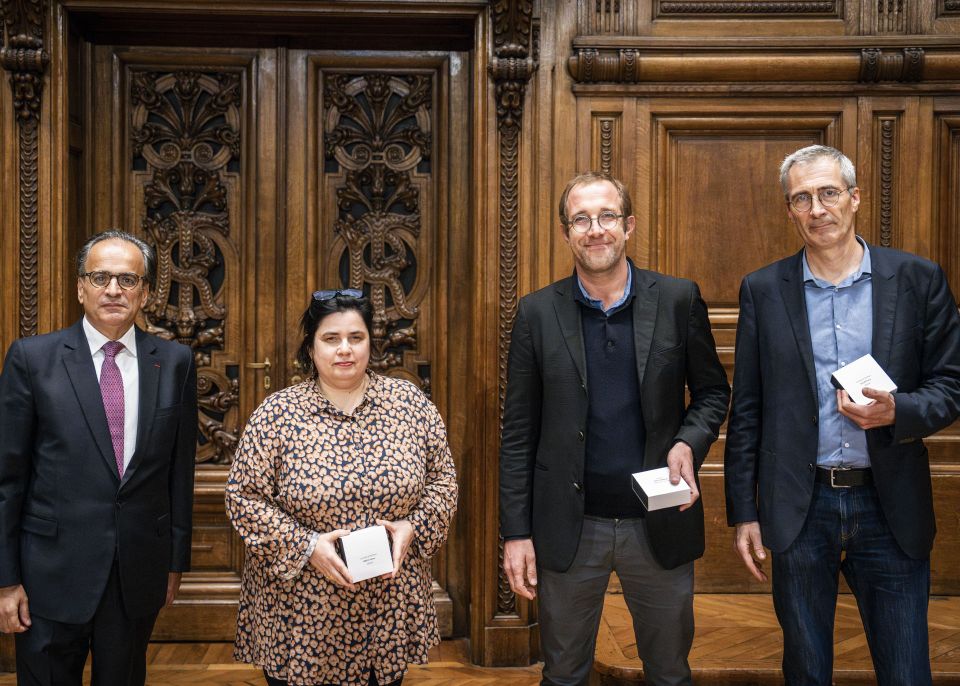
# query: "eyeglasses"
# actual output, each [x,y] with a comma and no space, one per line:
[606,220]
[828,197]
[125,280]
[323,296]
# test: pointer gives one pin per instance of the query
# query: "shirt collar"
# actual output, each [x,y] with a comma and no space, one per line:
[95,339]
[598,304]
[863,270]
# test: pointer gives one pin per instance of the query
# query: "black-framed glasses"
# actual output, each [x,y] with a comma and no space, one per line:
[126,280]
[828,197]
[607,221]
[323,296]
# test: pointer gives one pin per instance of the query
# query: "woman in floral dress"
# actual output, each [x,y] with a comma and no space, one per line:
[345,450]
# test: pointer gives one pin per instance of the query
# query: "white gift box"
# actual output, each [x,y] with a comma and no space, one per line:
[655,491]
[864,372]
[367,553]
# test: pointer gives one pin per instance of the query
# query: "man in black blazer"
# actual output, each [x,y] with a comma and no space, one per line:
[97,446]
[826,484]
[598,366]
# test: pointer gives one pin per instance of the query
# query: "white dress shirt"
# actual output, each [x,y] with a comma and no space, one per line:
[127,363]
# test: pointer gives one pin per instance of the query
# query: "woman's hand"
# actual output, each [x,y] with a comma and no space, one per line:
[402,533]
[325,560]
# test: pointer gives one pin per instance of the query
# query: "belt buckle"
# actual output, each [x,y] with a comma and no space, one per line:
[833,471]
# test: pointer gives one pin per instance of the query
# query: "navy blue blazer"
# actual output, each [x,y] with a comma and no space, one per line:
[772,436]
[545,413]
[64,513]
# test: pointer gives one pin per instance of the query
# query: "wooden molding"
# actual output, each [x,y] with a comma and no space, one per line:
[598,59]
[753,8]
[512,65]
[24,57]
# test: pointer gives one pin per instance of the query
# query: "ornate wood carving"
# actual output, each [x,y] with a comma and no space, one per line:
[600,17]
[511,68]
[655,62]
[904,65]
[378,128]
[951,6]
[185,134]
[887,148]
[747,7]
[24,57]
[606,143]
[891,16]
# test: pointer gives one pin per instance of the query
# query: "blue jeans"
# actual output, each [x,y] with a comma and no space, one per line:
[846,531]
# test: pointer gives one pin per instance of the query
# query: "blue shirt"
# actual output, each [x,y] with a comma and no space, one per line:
[841,330]
[598,304]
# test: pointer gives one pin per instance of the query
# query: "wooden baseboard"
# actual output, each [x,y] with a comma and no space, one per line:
[7,655]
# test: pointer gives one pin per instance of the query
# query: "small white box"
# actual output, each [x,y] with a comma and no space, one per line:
[862,372]
[367,553]
[655,491]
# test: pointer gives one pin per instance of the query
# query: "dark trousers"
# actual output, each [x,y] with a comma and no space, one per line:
[53,653]
[846,532]
[571,602]
[373,681]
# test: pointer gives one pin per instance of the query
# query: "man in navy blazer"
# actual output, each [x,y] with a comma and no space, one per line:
[599,365]
[826,484]
[97,447]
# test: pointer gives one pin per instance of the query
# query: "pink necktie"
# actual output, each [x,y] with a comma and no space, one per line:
[111,390]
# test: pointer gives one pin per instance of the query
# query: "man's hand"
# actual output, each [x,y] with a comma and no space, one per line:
[14,610]
[748,544]
[680,463]
[520,566]
[881,412]
[401,532]
[173,587]
[325,560]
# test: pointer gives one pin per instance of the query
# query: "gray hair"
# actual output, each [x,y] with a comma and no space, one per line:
[149,256]
[812,153]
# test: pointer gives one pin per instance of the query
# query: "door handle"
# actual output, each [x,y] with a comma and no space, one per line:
[265,366]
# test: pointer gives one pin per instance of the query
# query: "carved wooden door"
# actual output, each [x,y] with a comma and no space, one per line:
[260,175]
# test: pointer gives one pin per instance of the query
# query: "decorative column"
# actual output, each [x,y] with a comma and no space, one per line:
[512,64]
[23,56]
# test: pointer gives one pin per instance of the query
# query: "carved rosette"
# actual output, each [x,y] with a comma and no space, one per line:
[511,68]
[24,57]
[378,131]
[185,134]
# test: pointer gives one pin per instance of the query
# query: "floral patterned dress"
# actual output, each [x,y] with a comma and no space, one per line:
[304,467]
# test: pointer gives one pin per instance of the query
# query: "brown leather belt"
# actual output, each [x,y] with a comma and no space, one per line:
[844,477]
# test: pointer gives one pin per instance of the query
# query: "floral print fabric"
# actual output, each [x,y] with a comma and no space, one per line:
[303,467]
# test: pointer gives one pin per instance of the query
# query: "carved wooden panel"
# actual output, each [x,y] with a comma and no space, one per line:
[719,209]
[947,176]
[185,136]
[884,188]
[378,155]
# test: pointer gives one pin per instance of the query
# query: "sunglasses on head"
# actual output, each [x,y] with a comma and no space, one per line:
[323,296]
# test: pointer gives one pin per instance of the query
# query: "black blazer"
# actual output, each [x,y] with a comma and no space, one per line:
[64,513]
[772,436]
[545,412]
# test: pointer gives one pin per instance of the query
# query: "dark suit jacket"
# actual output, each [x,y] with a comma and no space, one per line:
[64,513]
[545,413]
[772,436]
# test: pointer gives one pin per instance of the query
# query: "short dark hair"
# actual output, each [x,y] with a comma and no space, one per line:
[626,206]
[316,312]
[149,256]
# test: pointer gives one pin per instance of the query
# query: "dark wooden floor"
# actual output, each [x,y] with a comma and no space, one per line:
[737,642]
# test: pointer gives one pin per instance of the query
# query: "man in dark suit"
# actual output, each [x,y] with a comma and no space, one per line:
[97,446]
[829,485]
[597,370]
